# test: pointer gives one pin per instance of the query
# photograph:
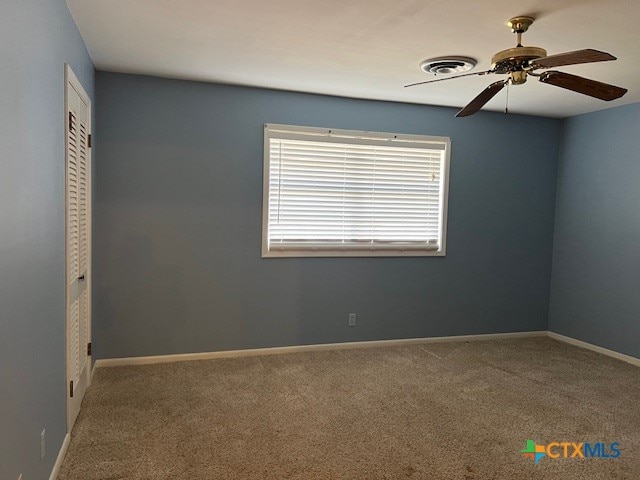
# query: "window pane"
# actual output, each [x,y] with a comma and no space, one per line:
[333,191]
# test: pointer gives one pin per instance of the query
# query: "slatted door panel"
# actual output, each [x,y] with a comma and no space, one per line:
[73,246]
[73,153]
[82,201]
[83,329]
[74,343]
[83,239]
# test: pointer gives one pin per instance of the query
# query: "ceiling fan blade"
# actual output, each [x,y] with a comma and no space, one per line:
[592,88]
[448,78]
[572,58]
[481,100]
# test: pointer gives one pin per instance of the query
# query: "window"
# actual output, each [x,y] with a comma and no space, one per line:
[347,193]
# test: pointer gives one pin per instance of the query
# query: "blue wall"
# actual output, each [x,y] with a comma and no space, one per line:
[37,38]
[179,212]
[596,259]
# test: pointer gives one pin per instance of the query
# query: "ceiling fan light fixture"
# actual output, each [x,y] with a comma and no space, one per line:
[447,65]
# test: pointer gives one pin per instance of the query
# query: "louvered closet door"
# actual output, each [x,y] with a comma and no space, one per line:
[78,244]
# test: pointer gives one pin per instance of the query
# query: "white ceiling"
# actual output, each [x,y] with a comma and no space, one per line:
[362,48]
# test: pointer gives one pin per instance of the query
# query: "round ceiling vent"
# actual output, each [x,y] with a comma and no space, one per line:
[447,65]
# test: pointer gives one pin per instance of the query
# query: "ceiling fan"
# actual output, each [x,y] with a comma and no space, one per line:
[521,62]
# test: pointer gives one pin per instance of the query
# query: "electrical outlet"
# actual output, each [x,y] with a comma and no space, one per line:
[43,443]
[352,319]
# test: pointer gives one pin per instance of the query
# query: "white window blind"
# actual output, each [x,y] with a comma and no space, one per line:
[336,192]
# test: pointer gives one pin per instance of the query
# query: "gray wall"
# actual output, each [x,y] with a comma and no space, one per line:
[178,226]
[37,37]
[596,258]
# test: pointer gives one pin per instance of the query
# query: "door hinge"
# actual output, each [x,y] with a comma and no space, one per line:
[70,121]
[89,140]
[89,349]
[71,388]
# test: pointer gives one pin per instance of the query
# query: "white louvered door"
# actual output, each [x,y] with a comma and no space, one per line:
[78,243]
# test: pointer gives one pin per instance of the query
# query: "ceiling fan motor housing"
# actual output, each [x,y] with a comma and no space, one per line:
[515,59]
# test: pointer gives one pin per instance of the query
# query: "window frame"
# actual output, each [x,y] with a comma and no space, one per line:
[332,252]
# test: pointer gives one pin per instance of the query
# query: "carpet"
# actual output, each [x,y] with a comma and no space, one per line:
[437,411]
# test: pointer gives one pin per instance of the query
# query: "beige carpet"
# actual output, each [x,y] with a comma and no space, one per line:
[430,411]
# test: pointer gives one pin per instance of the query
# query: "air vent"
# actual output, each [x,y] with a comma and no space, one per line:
[447,65]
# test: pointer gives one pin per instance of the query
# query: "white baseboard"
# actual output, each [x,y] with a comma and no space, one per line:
[595,348]
[183,357]
[61,454]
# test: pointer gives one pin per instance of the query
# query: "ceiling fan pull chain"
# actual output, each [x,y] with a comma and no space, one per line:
[506,105]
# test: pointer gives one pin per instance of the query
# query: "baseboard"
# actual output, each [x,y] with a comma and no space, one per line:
[595,348]
[184,357]
[61,454]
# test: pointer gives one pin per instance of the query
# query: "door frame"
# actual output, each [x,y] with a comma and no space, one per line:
[71,82]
